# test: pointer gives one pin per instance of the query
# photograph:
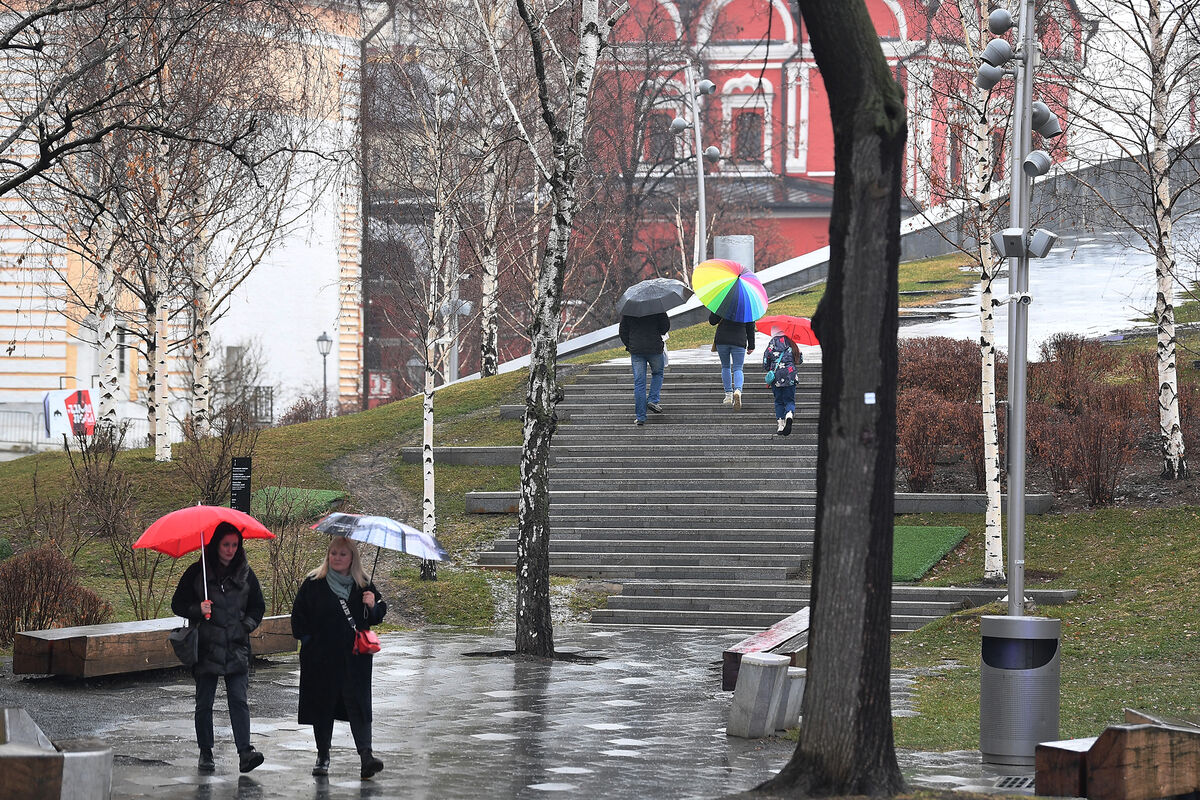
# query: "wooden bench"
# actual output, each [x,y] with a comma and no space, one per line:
[787,637]
[1146,758]
[87,651]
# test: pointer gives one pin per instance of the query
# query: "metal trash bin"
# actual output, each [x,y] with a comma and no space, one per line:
[1018,687]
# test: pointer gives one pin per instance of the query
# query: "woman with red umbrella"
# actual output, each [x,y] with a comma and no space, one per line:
[221,595]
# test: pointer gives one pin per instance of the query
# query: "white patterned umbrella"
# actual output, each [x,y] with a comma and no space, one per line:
[383,532]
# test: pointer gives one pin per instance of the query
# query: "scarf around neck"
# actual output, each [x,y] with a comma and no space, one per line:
[339,584]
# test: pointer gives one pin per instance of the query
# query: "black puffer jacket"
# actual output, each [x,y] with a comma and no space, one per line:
[238,609]
[643,335]
[738,334]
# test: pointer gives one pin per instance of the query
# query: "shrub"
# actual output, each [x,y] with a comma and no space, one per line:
[306,409]
[40,589]
[1104,437]
[1067,370]
[924,421]
[6,550]
[947,367]
[967,435]
[1049,443]
[206,456]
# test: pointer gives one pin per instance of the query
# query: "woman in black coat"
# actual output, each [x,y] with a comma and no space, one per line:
[335,602]
[233,608]
[732,341]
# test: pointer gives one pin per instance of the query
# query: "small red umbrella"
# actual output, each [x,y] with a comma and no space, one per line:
[798,329]
[189,529]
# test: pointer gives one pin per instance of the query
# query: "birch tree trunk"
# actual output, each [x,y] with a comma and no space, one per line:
[981,142]
[846,745]
[535,634]
[106,340]
[1170,433]
[201,346]
[162,441]
[489,261]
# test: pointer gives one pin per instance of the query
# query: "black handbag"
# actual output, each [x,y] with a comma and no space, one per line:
[186,644]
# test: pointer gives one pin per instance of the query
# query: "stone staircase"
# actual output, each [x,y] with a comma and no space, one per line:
[703,515]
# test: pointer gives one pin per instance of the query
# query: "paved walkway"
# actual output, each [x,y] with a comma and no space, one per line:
[645,719]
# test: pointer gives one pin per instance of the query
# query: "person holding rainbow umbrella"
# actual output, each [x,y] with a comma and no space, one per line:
[736,298]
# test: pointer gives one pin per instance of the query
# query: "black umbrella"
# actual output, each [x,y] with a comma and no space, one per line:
[652,296]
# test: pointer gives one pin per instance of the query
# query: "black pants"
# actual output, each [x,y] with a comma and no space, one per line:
[239,708]
[360,723]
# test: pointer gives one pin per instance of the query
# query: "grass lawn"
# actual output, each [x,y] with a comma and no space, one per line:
[915,549]
[1131,638]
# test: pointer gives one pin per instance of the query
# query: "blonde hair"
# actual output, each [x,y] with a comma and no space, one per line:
[356,568]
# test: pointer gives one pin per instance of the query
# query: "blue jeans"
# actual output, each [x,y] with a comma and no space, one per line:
[236,686]
[785,400]
[732,358]
[655,361]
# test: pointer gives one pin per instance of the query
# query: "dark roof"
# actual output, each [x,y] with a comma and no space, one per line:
[774,192]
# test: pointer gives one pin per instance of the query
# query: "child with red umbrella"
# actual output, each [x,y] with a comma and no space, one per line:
[780,360]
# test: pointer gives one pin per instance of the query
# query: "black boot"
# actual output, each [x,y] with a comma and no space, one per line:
[207,762]
[321,768]
[370,765]
[248,759]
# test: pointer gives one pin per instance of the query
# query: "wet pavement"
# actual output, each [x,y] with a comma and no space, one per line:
[639,714]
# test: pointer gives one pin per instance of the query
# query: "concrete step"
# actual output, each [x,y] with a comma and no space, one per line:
[649,484]
[744,439]
[637,562]
[640,518]
[735,501]
[612,572]
[798,535]
[623,367]
[777,458]
[782,607]
[619,417]
[724,619]
[558,545]
[579,446]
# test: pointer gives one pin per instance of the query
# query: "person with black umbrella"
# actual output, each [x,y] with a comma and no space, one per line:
[644,323]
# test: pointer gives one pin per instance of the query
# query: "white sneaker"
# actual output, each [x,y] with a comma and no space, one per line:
[779,426]
[728,401]
[787,424]
[737,398]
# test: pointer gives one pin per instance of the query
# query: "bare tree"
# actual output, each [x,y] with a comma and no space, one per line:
[1136,122]
[52,50]
[564,80]
[846,745]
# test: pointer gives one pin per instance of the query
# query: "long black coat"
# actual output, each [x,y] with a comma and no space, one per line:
[238,608]
[326,638]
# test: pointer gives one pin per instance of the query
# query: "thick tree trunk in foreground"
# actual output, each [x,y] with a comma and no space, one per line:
[846,745]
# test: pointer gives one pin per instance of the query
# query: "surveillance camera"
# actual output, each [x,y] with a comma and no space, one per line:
[988,76]
[1000,21]
[1024,298]
[1009,243]
[997,53]
[1041,241]
[1037,163]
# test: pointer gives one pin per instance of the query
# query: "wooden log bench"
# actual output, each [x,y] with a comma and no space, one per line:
[1143,759]
[88,651]
[787,637]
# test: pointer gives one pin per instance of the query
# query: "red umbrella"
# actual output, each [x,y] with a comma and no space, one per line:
[191,528]
[798,329]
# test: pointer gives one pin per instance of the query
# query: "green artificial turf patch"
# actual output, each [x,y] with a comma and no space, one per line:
[277,502]
[915,549]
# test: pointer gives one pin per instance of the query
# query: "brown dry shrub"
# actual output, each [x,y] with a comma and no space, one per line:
[40,589]
[924,421]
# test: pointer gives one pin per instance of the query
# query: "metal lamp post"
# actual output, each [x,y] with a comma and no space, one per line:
[324,343]
[678,126]
[1019,674]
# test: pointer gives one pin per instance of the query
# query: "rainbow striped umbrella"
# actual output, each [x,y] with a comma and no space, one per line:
[729,289]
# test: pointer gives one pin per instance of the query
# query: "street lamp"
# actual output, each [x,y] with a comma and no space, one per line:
[1019,674]
[324,343]
[678,126]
